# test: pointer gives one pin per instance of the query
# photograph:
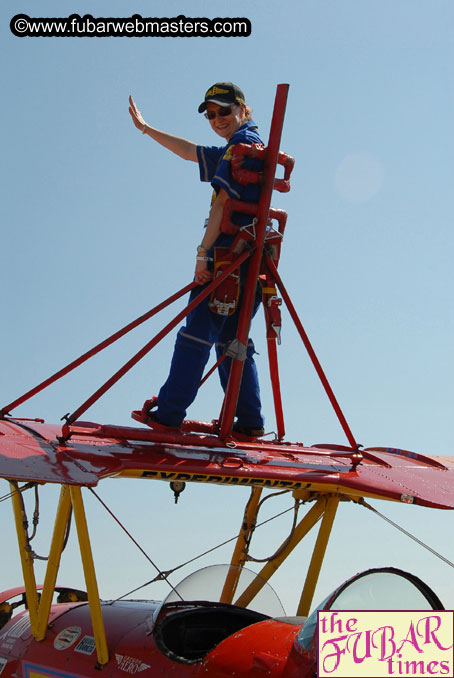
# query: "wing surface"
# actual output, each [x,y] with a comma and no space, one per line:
[31,452]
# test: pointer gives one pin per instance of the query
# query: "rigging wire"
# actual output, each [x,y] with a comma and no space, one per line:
[228,541]
[161,574]
[362,502]
[24,488]
[164,574]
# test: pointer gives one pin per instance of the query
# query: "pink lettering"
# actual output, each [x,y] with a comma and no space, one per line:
[429,632]
[410,638]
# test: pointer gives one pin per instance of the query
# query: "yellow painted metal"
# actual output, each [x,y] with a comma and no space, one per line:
[302,495]
[53,563]
[25,556]
[254,481]
[300,531]
[90,576]
[239,553]
[350,493]
[318,555]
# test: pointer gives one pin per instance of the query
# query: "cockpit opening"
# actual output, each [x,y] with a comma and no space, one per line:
[187,635]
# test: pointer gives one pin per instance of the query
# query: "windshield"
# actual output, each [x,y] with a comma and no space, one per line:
[207,584]
[381,591]
[378,589]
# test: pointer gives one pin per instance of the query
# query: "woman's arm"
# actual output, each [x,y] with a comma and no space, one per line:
[213,230]
[182,147]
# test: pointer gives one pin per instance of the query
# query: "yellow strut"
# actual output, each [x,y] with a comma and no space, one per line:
[53,563]
[239,553]
[90,576]
[317,555]
[25,555]
[303,527]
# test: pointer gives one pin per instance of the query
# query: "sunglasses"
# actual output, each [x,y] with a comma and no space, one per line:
[222,112]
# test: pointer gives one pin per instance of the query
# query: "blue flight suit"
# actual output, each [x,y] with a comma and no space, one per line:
[204,327]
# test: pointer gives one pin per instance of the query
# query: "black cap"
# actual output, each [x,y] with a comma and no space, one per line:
[222,94]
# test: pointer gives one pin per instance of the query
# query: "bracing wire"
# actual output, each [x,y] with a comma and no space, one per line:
[161,573]
[164,574]
[362,502]
[24,488]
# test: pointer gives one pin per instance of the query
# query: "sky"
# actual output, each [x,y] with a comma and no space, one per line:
[99,224]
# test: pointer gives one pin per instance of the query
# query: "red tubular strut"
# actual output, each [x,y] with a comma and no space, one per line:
[213,369]
[236,371]
[262,262]
[273,271]
[143,351]
[275,384]
[96,349]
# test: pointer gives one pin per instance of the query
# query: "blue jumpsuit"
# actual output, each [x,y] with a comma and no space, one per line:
[204,327]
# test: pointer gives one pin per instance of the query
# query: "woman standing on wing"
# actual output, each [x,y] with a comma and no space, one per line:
[229,116]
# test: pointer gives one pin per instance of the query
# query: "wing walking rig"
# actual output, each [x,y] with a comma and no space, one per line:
[79,454]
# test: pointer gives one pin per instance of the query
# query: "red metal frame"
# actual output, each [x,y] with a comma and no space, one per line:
[96,349]
[259,264]
[231,396]
[291,309]
[66,432]
[276,387]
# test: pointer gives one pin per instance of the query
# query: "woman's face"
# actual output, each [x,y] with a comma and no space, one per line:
[226,125]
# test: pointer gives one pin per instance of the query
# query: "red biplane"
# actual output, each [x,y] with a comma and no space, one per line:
[215,623]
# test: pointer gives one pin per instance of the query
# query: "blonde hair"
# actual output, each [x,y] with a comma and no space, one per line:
[247,112]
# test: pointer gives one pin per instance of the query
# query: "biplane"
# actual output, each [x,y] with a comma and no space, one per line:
[50,630]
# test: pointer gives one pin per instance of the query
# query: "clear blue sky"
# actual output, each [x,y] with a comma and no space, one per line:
[99,224]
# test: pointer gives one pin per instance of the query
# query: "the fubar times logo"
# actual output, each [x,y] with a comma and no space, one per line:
[385,643]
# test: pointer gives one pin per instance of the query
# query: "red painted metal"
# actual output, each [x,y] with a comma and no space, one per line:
[31,451]
[231,205]
[143,351]
[98,451]
[258,650]
[96,349]
[12,593]
[275,385]
[136,645]
[213,369]
[283,185]
[236,371]
[329,391]
[244,176]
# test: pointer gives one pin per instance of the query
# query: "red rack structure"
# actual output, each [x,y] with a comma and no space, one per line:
[263,248]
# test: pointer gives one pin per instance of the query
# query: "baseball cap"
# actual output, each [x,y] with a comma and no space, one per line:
[223,94]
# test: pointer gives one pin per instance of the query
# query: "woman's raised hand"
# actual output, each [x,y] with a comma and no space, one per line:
[136,115]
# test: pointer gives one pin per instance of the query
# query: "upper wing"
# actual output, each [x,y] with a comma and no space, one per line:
[31,452]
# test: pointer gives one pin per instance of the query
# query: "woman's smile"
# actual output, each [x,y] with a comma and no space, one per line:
[225,125]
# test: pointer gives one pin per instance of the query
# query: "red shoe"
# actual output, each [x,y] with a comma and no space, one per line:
[150,418]
[150,405]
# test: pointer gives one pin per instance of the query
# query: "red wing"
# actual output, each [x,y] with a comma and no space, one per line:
[31,452]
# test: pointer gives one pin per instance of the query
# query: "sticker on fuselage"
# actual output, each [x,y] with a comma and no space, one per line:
[67,637]
[86,646]
[130,665]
